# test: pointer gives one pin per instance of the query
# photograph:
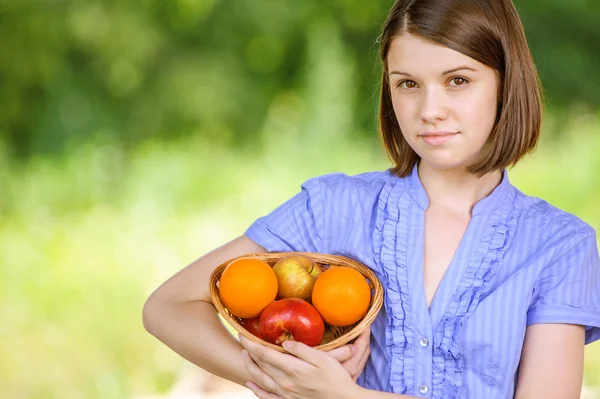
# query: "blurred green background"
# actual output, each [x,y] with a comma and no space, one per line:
[136,135]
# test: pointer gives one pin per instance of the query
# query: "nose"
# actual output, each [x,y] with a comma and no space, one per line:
[433,106]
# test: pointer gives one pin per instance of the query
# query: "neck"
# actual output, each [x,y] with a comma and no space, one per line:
[456,189]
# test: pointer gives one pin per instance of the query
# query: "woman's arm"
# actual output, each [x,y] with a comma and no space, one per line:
[551,362]
[180,313]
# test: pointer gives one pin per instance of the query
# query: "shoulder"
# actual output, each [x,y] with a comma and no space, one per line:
[550,222]
[362,184]
[348,202]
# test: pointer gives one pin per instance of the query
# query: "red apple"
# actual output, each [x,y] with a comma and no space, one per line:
[253,326]
[291,319]
[296,276]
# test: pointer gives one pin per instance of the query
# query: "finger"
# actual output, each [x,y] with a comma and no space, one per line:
[272,371]
[261,393]
[343,353]
[282,361]
[352,365]
[361,365]
[362,345]
[306,353]
[364,338]
[262,379]
[357,363]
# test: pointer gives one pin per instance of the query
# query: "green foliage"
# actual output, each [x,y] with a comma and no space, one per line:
[136,135]
[136,69]
[85,238]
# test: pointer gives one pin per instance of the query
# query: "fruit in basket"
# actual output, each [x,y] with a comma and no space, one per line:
[247,286]
[296,276]
[252,326]
[291,319]
[342,296]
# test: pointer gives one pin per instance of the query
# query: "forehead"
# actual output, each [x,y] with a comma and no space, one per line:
[413,54]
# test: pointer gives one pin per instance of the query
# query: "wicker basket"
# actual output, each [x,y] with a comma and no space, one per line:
[334,336]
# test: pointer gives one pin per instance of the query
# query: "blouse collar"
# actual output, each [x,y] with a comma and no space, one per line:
[419,195]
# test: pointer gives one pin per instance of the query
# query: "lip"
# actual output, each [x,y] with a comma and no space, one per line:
[440,133]
[437,138]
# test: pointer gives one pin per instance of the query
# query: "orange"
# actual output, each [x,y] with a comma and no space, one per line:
[341,295]
[247,286]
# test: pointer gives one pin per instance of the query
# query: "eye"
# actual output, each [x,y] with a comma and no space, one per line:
[459,81]
[406,84]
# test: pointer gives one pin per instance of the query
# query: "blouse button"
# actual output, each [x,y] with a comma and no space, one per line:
[423,389]
[424,342]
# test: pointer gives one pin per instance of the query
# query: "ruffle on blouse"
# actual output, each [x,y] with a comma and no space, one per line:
[390,238]
[392,261]
[447,360]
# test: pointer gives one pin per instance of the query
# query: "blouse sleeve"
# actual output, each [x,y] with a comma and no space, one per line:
[297,225]
[568,289]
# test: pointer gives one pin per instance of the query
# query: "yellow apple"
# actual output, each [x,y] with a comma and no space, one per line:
[296,276]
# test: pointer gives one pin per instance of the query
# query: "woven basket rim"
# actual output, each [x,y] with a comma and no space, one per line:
[326,259]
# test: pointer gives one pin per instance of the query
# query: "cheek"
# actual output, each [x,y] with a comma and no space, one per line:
[479,111]
[403,110]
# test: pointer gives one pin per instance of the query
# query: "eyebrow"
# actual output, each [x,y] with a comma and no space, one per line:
[460,68]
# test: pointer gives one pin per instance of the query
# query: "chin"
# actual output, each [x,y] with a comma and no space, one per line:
[440,163]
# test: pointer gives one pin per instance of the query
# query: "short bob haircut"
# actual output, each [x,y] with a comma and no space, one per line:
[489,31]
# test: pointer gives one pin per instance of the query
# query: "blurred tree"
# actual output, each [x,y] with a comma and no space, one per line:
[71,70]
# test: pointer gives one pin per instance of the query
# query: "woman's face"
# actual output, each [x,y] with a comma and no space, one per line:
[445,102]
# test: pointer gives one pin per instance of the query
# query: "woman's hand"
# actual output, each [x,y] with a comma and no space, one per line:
[362,349]
[308,374]
[354,357]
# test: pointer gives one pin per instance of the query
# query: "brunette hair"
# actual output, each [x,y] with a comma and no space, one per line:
[491,32]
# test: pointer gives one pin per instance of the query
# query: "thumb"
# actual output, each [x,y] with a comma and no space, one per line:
[343,353]
[304,352]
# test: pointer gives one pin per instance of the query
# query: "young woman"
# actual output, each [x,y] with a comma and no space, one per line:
[489,293]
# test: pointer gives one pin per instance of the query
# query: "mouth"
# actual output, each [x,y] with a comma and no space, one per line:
[437,138]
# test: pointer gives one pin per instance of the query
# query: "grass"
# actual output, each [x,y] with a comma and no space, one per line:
[84,239]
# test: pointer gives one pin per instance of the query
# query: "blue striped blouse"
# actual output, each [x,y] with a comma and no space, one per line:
[521,261]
